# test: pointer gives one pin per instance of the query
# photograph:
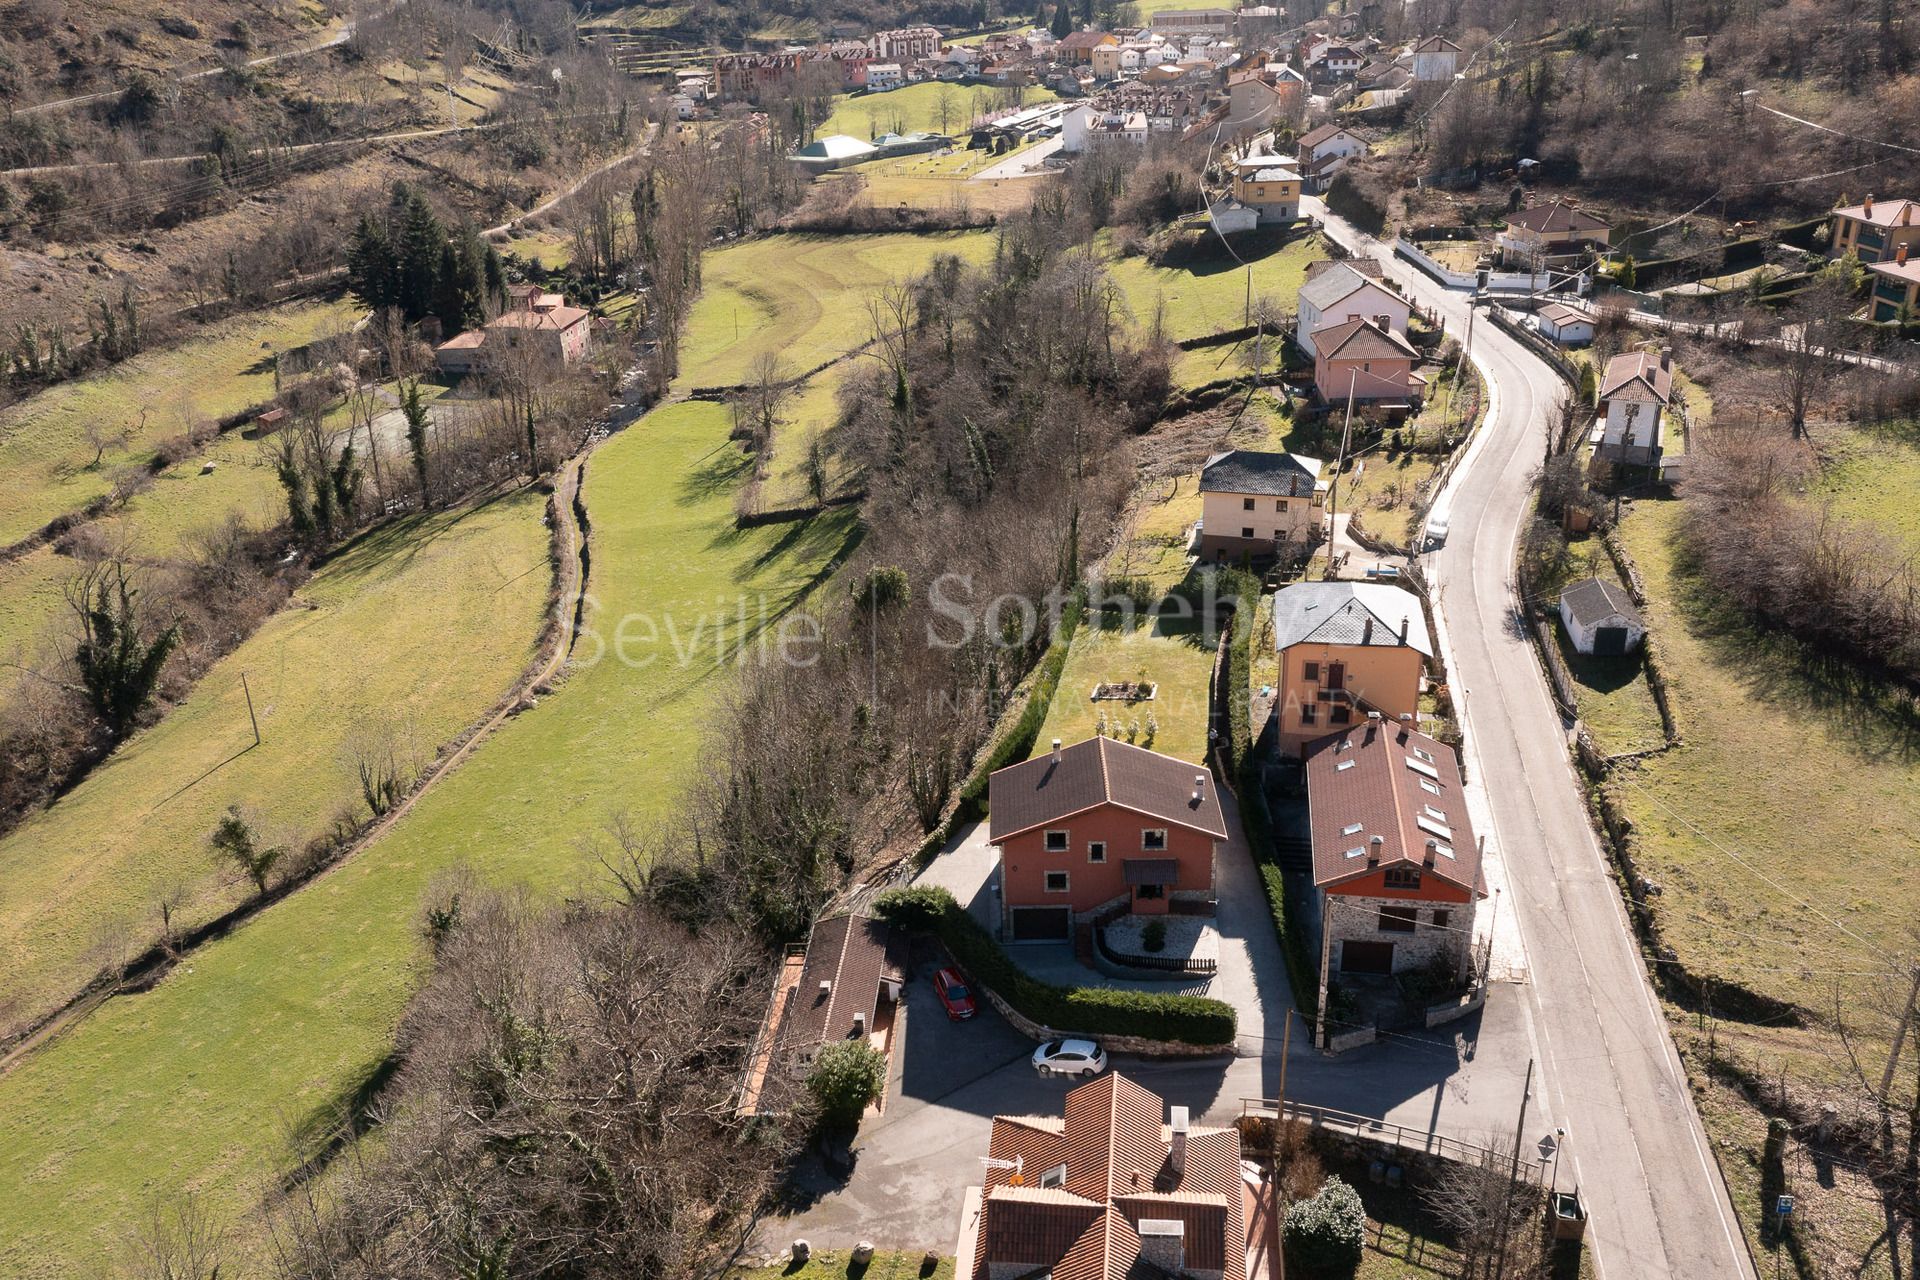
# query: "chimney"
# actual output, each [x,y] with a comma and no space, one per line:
[1366,632]
[1866,206]
[860,1017]
[1433,851]
[1056,751]
[1199,787]
[1373,851]
[1403,629]
[1666,358]
[1900,256]
[1163,1244]
[1906,215]
[1177,1141]
[826,987]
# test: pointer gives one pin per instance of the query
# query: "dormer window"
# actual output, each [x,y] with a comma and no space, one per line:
[1054,1177]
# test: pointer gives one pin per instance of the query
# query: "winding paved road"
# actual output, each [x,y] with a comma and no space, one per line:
[1634,1141]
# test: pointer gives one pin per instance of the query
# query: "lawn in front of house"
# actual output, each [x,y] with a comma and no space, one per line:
[800,298]
[222,1077]
[413,630]
[45,452]
[1171,654]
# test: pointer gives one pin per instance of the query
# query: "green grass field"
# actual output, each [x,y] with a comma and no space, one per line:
[202,1081]
[1783,754]
[1212,298]
[804,419]
[915,108]
[1168,653]
[44,450]
[450,604]
[1872,475]
[800,298]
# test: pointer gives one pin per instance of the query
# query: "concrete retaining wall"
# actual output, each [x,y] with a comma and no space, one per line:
[1439,1015]
[1352,1039]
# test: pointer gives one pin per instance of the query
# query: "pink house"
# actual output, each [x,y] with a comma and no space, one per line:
[1361,359]
[1099,825]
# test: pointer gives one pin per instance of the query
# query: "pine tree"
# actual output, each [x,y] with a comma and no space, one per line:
[370,264]
[494,279]
[1062,21]
[415,412]
[449,297]
[421,240]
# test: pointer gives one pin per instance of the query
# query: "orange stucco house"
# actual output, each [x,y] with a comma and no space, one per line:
[1096,826]
[1345,648]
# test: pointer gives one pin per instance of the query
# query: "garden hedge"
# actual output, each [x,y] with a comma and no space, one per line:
[1093,1011]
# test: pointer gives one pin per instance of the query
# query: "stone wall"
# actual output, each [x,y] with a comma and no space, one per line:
[1112,1044]
[1357,918]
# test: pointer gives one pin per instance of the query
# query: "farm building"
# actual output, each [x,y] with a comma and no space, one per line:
[1600,618]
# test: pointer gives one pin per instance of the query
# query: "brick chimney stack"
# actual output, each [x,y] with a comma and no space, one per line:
[1866,206]
[1900,256]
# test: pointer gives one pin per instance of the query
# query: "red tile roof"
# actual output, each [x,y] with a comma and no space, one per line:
[1118,1175]
[1362,340]
[1637,375]
[1557,217]
[1378,795]
[852,955]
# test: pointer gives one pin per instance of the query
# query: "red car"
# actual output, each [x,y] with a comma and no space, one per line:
[954,996]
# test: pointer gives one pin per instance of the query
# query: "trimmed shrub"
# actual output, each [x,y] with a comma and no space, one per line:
[1091,1011]
[846,1076]
[1325,1236]
[1154,936]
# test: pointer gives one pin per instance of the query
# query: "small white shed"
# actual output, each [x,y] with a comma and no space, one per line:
[1600,618]
[1562,324]
[1230,217]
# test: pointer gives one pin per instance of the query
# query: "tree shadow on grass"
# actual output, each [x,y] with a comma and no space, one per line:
[1877,719]
[392,546]
[324,1132]
[717,473]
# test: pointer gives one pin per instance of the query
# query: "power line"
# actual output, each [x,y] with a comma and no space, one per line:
[1838,133]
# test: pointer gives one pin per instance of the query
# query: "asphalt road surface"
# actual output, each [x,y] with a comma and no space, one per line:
[1634,1141]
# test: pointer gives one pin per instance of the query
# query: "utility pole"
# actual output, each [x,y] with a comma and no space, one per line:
[1513,1175]
[255,721]
[1274,1207]
[1333,487]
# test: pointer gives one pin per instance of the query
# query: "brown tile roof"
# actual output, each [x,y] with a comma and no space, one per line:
[555,318]
[852,954]
[1362,340]
[1436,44]
[1907,272]
[1387,783]
[1556,217]
[1101,771]
[1115,1148]
[1637,375]
[1314,137]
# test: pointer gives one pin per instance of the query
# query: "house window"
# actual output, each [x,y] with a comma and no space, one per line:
[1246,504]
[1280,504]
[1440,919]
[1097,851]
[1150,892]
[1402,878]
[1398,919]
[1341,714]
[1057,841]
[1309,713]
[1310,671]
[1246,532]
[1153,838]
[1054,1177]
[1057,882]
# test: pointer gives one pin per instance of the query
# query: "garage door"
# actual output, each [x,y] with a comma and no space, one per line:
[1042,924]
[1366,957]
[1610,640]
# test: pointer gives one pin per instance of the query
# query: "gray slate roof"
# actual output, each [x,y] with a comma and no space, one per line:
[1337,613]
[1596,600]
[1331,285]
[1279,475]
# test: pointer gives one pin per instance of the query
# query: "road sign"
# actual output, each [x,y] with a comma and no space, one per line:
[1784,1206]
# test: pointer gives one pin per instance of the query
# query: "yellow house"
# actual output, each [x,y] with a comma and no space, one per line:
[1876,230]
[1270,185]
[1106,62]
[1346,649]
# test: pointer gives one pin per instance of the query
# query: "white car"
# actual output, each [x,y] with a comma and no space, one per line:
[1069,1058]
[1437,530]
